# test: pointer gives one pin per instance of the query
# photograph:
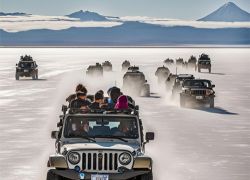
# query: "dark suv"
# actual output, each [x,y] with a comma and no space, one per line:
[26,67]
[199,91]
[180,78]
[204,62]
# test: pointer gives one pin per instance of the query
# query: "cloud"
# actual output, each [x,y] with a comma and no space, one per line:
[178,22]
[24,23]
[31,22]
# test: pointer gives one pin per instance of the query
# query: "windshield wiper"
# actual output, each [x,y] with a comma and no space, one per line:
[84,137]
[88,138]
[113,137]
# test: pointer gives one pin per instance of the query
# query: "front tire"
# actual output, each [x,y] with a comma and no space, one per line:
[148,176]
[211,103]
[36,75]
[182,101]
[53,176]
[17,76]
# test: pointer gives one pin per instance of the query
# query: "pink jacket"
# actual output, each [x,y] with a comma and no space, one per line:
[122,103]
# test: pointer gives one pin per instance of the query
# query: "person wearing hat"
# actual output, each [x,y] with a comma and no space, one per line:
[80,102]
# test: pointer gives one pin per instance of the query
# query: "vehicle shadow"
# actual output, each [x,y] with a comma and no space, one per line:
[213,73]
[217,110]
[152,95]
[40,79]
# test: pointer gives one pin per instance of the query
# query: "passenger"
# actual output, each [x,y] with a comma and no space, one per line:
[79,87]
[99,100]
[101,91]
[80,102]
[122,103]
[76,128]
[86,129]
[123,129]
[113,93]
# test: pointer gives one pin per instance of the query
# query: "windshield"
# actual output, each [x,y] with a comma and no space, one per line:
[198,83]
[101,127]
[26,64]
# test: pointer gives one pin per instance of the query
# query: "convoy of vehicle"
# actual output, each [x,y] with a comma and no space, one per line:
[91,144]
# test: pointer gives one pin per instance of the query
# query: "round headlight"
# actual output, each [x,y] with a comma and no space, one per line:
[125,158]
[74,157]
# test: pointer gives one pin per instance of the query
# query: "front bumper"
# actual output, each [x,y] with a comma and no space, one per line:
[72,174]
[200,100]
[29,73]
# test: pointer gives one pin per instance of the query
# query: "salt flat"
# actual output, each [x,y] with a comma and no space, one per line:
[190,144]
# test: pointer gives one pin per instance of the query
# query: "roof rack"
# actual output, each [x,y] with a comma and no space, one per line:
[65,109]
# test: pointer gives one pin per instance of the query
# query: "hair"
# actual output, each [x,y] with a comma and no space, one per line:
[81,88]
[115,93]
[99,96]
[101,91]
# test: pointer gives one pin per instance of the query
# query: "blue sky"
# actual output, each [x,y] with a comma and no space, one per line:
[182,9]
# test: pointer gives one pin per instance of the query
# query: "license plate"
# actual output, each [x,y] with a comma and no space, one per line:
[26,70]
[99,177]
[199,97]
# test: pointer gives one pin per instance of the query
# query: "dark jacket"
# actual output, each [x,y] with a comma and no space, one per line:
[78,103]
[94,105]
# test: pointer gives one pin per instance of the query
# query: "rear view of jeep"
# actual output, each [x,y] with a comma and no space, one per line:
[197,92]
[26,67]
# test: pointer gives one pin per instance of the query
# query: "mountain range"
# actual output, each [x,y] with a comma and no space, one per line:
[131,33]
[127,34]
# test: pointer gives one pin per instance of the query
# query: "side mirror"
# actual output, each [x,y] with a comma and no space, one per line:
[137,107]
[54,134]
[16,64]
[213,86]
[150,136]
[60,124]
[64,109]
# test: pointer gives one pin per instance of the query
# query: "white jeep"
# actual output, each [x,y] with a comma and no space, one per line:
[100,146]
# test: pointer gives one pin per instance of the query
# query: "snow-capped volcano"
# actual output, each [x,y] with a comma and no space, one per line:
[229,12]
[88,16]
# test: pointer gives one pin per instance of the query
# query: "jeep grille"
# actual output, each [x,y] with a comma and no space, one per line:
[100,161]
[198,92]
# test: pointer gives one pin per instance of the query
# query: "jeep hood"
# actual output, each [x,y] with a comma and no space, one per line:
[101,146]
